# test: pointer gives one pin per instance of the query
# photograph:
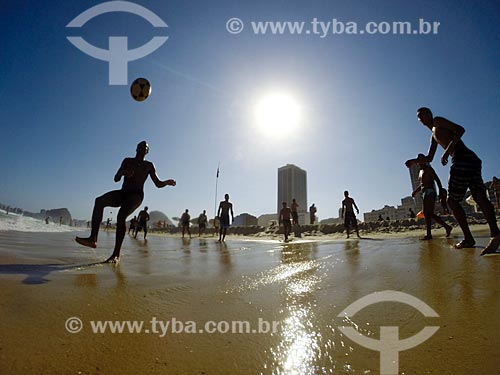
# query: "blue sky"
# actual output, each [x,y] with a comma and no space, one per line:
[65,130]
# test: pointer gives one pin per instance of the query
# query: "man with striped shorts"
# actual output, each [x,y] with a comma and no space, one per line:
[465,173]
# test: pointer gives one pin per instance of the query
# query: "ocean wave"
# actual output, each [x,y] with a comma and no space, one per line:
[28,224]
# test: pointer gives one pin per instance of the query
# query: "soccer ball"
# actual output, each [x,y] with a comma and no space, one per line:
[140,89]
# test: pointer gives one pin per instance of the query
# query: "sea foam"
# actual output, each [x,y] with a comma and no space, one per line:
[28,224]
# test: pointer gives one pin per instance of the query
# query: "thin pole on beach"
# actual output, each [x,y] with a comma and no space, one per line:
[216,182]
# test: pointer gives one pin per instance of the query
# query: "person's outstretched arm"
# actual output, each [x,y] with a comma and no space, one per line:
[158,183]
[426,159]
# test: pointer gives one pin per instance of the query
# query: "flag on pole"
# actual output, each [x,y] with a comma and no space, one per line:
[217,172]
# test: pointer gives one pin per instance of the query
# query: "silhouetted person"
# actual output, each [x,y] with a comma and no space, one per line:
[465,173]
[412,214]
[202,223]
[284,218]
[135,172]
[428,179]
[142,222]
[185,218]
[216,225]
[348,215]
[312,213]
[225,207]
[108,224]
[133,225]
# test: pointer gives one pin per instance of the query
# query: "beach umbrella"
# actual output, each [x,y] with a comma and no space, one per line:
[420,215]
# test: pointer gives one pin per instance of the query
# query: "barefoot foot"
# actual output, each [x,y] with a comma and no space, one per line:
[465,244]
[112,259]
[492,246]
[86,242]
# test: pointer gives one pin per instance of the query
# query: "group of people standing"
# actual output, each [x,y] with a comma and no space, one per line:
[139,222]
[289,216]
[185,222]
[221,221]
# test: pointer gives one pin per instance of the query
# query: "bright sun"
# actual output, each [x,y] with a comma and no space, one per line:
[277,114]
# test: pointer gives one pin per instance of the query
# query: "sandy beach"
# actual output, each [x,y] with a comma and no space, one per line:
[46,278]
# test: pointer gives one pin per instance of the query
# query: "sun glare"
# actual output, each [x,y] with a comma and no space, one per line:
[277,114]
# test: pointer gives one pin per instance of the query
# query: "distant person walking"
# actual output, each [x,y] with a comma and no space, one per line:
[295,215]
[225,207]
[135,172]
[284,218]
[133,225]
[465,173]
[428,179]
[202,223]
[142,222]
[185,218]
[108,224]
[348,215]
[312,214]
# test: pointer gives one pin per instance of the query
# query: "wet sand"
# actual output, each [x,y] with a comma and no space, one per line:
[304,285]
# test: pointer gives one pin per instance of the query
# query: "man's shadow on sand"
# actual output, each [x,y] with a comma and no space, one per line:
[37,273]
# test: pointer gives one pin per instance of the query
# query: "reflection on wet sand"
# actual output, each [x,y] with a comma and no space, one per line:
[299,346]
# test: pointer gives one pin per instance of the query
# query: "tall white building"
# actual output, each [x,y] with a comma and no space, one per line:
[292,183]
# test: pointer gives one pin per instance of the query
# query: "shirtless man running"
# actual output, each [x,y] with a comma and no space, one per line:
[135,172]
[465,173]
